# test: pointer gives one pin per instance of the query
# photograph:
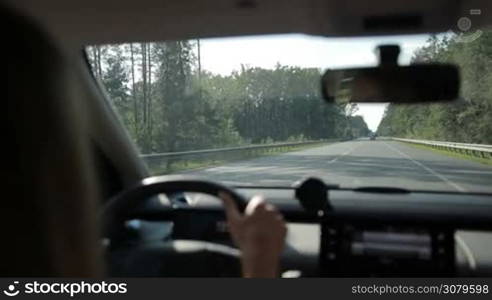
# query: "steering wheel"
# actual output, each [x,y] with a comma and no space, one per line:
[173,257]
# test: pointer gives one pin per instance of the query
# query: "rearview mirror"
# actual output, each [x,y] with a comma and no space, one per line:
[392,83]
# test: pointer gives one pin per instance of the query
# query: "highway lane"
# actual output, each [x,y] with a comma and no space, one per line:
[365,163]
[360,163]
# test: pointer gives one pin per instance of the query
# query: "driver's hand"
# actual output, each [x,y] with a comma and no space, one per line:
[259,233]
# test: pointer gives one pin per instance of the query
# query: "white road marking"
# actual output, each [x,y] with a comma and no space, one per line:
[444,179]
[322,173]
[466,252]
[342,155]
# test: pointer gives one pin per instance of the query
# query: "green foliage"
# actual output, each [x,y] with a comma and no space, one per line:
[168,105]
[468,119]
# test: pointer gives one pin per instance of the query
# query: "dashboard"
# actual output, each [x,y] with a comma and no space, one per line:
[363,233]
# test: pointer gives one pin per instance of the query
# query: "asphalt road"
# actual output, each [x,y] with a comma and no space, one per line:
[360,163]
[366,163]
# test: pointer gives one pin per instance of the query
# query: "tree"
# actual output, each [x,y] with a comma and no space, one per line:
[115,80]
[169,104]
[469,118]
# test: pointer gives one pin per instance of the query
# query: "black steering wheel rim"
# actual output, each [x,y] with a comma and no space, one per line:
[117,208]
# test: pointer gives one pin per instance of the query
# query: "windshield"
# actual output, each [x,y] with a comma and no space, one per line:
[248,111]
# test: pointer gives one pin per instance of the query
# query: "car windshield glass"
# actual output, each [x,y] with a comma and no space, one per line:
[248,111]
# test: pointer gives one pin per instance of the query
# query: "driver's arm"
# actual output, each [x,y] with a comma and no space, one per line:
[259,233]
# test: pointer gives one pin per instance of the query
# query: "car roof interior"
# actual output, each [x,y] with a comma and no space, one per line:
[80,23]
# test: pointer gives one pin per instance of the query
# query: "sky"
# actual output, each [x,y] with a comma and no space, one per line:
[224,55]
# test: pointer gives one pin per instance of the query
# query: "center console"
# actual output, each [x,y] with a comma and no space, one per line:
[348,250]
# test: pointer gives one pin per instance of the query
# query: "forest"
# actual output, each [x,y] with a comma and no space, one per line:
[467,119]
[168,103]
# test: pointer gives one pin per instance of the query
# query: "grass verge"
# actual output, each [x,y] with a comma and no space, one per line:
[188,165]
[484,161]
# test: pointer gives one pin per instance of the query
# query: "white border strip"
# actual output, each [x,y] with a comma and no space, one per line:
[466,252]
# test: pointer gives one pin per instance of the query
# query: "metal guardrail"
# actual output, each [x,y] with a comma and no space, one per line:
[477,150]
[163,160]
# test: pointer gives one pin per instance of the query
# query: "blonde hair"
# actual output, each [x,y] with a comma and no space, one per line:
[49,206]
